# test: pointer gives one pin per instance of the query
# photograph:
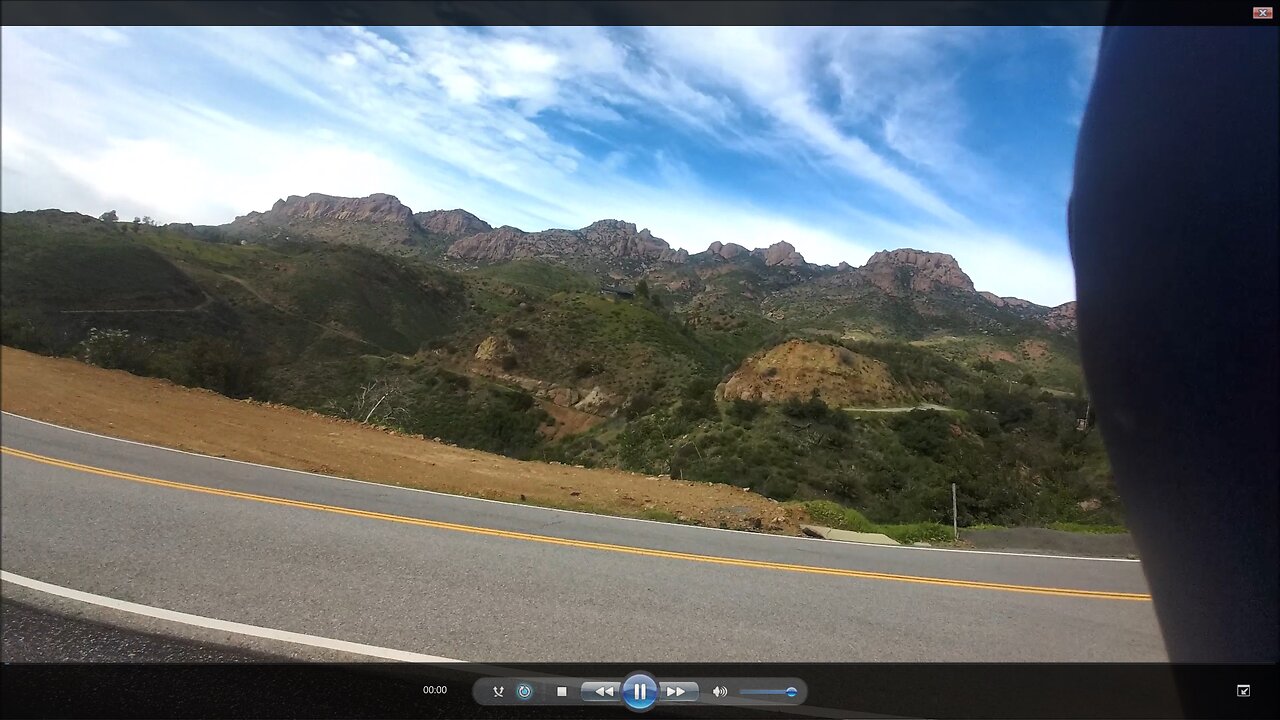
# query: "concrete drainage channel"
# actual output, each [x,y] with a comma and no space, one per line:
[1009,540]
[850,536]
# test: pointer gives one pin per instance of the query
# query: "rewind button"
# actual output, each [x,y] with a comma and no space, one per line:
[600,691]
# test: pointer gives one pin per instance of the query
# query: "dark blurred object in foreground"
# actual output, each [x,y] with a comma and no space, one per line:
[1174,237]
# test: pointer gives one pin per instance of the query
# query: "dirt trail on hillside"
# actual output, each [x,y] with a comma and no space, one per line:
[119,404]
[904,409]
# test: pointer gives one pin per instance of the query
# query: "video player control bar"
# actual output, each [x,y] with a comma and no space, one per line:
[640,691]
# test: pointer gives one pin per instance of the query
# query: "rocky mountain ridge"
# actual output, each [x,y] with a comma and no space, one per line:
[382,221]
[603,239]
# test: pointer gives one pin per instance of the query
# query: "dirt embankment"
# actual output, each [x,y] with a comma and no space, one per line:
[116,403]
[797,369]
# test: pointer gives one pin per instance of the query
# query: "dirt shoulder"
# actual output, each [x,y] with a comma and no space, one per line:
[116,403]
[1056,542]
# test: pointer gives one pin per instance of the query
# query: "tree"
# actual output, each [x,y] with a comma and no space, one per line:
[642,289]
[379,401]
[148,221]
[109,216]
[1029,380]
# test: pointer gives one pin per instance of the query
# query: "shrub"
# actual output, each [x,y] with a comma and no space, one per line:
[435,344]
[116,350]
[812,409]
[695,409]
[517,333]
[585,368]
[510,362]
[833,515]
[918,532]
[637,405]
[1087,528]
[220,365]
[699,388]
[742,411]
[923,432]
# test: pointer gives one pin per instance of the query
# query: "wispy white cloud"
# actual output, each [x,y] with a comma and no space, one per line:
[498,121]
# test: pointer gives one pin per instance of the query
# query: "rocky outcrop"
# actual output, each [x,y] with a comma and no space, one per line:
[907,270]
[674,255]
[992,298]
[377,208]
[780,253]
[451,223]
[605,239]
[493,349]
[1062,317]
[596,402]
[726,251]
[379,221]
[563,396]
[620,239]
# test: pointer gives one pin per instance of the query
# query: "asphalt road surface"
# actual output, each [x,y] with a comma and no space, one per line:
[34,634]
[244,557]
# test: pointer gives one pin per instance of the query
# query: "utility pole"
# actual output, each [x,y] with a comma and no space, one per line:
[955,522]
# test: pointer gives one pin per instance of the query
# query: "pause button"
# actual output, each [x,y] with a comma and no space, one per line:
[639,692]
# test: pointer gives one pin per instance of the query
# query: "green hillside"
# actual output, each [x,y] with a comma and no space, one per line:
[493,356]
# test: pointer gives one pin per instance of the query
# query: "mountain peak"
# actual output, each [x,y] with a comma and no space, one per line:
[925,270]
[727,251]
[602,226]
[780,253]
[378,207]
[451,223]
[601,240]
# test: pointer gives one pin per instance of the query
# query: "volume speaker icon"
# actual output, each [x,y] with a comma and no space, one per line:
[720,691]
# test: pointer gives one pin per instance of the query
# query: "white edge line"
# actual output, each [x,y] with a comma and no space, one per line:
[572,512]
[223,625]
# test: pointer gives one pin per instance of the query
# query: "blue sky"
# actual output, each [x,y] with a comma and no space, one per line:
[842,141]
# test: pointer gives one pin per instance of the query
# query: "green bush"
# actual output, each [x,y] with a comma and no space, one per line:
[834,515]
[918,532]
[585,369]
[924,432]
[812,409]
[742,411]
[116,349]
[220,365]
[1087,528]
[637,405]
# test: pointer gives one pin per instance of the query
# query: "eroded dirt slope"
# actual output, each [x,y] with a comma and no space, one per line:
[122,405]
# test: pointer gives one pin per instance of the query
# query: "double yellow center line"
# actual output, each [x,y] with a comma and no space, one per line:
[584,544]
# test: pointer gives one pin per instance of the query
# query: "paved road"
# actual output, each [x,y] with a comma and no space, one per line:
[36,634]
[484,581]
